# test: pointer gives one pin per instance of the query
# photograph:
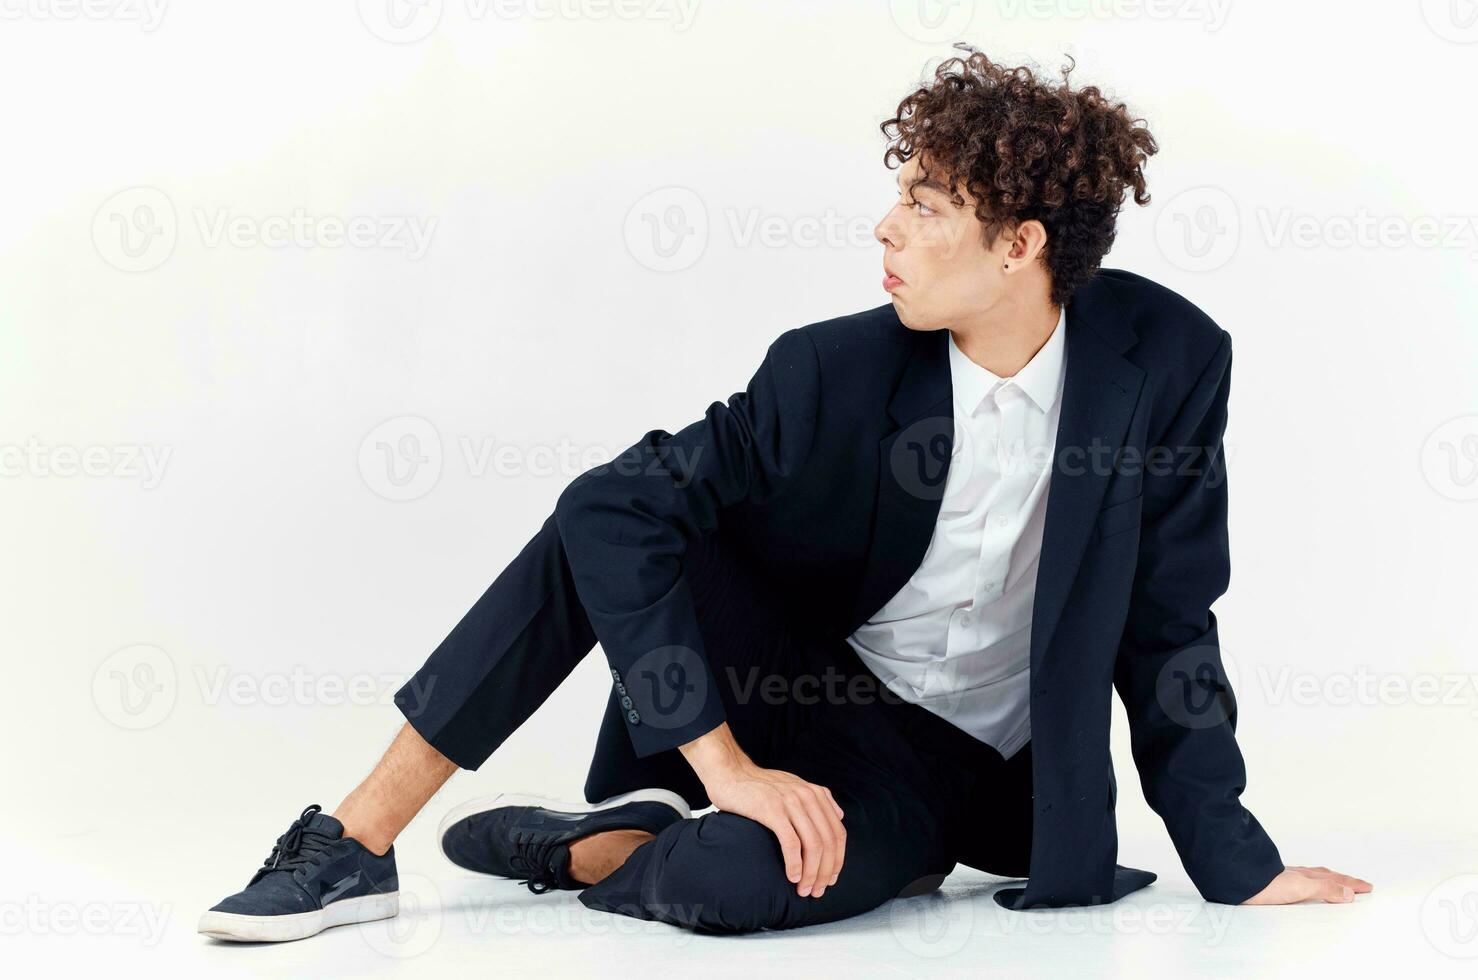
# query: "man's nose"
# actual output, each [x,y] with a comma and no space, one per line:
[886,231]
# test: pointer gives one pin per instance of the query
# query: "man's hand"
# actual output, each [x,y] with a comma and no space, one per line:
[1297,884]
[803,816]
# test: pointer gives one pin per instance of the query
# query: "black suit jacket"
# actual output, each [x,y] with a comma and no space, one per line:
[829,469]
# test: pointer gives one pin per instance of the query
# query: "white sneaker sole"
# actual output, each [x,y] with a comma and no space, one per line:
[235,927]
[502,800]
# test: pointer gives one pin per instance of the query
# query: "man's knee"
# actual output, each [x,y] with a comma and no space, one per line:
[722,873]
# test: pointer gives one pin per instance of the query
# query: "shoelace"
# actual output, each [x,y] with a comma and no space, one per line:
[531,857]
[297,848]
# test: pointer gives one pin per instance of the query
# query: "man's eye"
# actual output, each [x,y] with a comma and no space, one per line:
[924,208]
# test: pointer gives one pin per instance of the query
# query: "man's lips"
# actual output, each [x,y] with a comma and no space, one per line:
[890,281]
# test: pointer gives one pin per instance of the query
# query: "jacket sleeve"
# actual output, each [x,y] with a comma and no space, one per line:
[1169,672]
[626,527]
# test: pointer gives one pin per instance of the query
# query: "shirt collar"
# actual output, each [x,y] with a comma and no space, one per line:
[1041,378]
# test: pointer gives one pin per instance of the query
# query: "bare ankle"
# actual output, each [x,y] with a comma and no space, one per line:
[593,858]
[359,825]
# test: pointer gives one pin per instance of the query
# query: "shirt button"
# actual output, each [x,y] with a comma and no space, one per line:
[1001,520]
[626,703]
[633,717]
[991,586]
[964,620]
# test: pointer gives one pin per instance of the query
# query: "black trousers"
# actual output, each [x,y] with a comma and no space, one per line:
[919,795]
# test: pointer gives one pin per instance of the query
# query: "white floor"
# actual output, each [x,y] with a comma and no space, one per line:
[1420,921]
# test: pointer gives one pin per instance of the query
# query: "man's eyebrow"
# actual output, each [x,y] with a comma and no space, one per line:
[928,182]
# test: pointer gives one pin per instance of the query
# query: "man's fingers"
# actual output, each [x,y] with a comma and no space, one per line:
[840,830]
[810,844]
[823,811]
[1331,890]
[790,843]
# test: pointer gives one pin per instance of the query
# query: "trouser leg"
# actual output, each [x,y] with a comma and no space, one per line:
[529,631]
[505,657]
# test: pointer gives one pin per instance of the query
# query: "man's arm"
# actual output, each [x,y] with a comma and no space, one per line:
[1170,676]
[626,528]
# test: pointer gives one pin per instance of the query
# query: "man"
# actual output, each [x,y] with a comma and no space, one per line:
[872,608]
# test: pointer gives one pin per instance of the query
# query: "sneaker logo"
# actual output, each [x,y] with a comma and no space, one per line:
[565,817]
[340,887]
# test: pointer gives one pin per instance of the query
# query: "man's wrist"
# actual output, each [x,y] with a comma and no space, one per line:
[715,755]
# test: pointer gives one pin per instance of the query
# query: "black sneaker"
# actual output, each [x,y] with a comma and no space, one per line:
[528,837]
[314,878]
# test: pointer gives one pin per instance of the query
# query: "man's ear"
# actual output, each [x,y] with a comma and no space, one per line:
[1028,239]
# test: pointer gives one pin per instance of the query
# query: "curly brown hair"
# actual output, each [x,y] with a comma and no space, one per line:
[1028,148]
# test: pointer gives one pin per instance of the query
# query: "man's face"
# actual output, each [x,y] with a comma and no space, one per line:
[942,273]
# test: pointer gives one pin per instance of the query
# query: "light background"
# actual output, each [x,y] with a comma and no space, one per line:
[540,151]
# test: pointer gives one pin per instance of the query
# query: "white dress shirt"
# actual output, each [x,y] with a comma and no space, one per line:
[956,639]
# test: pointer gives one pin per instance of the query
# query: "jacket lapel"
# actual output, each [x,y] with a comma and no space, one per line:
[1098,400]
[913,463]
